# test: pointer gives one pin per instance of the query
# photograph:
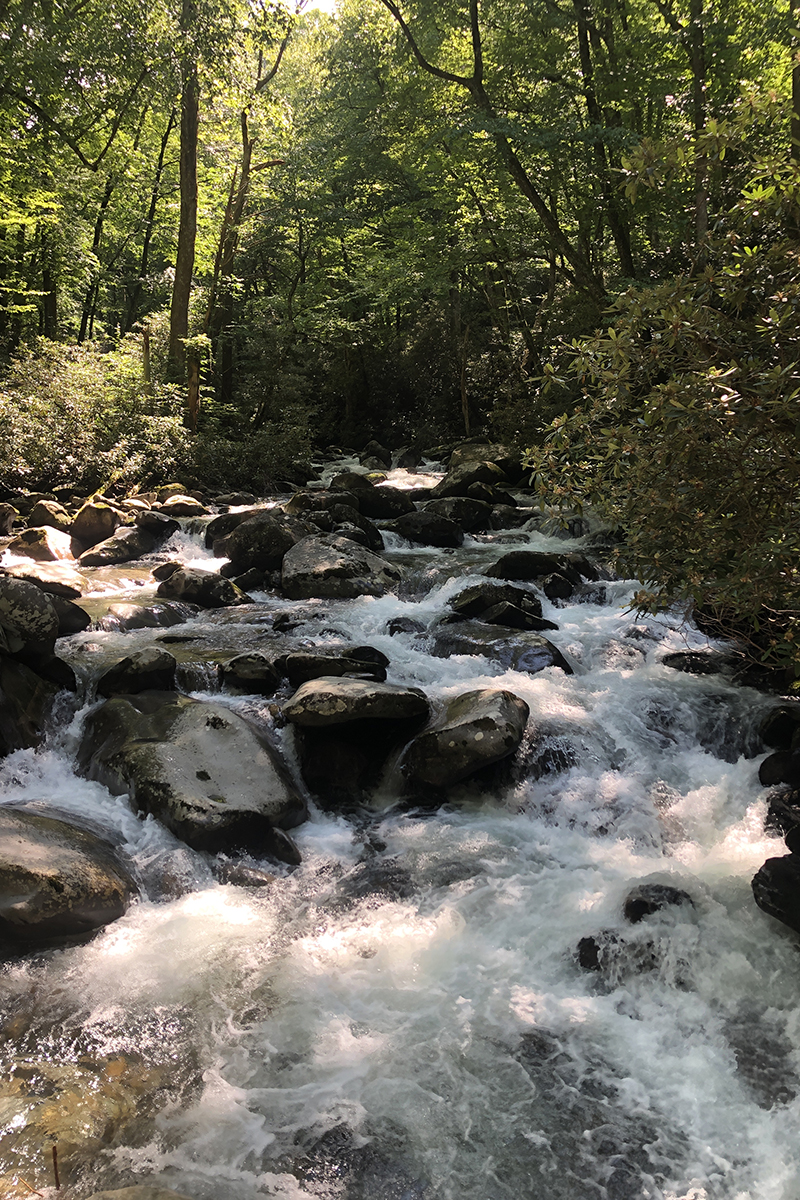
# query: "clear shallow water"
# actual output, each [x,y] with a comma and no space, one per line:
[403,1016]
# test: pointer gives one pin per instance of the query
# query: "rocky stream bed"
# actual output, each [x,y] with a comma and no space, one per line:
[362,843]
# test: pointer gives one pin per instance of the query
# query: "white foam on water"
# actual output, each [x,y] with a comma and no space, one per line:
[443,1018]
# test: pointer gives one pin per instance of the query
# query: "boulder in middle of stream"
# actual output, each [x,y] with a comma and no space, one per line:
[204,771]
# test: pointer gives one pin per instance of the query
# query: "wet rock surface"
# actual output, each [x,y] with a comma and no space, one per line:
[336,568]
[58,882]
[201,769]
[475,730]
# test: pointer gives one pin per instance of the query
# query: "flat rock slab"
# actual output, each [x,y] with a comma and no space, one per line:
[334,701]
[332,567]
[57,881]
[476,729]
[55,578]
[201,769]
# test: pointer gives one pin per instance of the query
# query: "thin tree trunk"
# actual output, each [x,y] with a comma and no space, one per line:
[187,227]
[148,227]
[697,55]
[90,302]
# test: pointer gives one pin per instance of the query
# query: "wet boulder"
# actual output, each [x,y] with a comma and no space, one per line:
[351,481]
[161,615]
[404,625]
[375,450]
[205,772]
[521,651]
[328,566]
[781,767]
[384,503]
[469,514]
[223,525]
[318,500]
[57,881]
[504,457]
[252,673]
[262,540]
[364,661]
[208,589]
[334,701]
[44,544]
[475,730]
[151,668]
[648,898]
[27,615]
[95,522]
[429,528]
[123,546]
[50,512]
[776,889]
[345,520]
[502,604]
[344,730]
[71,617]
[524,565]
[25,702]
[157,524]
[459,479]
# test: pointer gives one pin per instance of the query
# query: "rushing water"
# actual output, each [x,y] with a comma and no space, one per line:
[403,1017]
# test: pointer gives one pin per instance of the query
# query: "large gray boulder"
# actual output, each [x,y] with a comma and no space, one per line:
[475,730]
[262,540]
[334,567]
[57,881]
[27,615]
[205,772]
[337,701]
[468,513]
[123,546]
[508,460]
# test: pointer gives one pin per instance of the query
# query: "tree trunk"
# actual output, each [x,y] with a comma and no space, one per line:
[697,56]
[90,301]
[187,227]
[136,295]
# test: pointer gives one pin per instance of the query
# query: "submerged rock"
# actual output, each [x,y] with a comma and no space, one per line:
[476,729]
[521,652]
[57,881]
[204,771]
[336,568]
[648,898]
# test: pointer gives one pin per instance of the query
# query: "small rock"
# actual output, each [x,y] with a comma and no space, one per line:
[252,673]
[206,588]
[182,506]
[650,898]
[327,701]
[50,512]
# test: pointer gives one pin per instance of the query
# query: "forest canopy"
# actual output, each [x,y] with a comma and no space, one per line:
[226,225]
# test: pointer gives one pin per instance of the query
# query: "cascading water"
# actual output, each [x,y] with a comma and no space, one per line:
[404,1015]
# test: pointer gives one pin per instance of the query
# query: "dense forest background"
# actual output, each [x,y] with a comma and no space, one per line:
[231,232]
